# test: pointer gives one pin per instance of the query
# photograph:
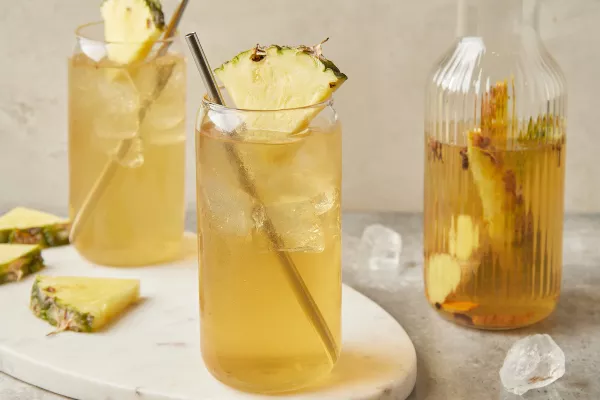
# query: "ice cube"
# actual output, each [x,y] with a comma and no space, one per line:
[325,200]
[300,183]
[228,207]
[92,48]
[164,102]
[297,224]
[116,115]
[377,256]
[226,122]
[380,249]
[532,362]
[165,123]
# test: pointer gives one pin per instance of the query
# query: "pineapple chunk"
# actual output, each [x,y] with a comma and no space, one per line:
[443,277]
[19,260]
[496,180]
[81,304]
[23,225]
[446,271]
[280,78]
[497,190]
[131,27]
[463,237]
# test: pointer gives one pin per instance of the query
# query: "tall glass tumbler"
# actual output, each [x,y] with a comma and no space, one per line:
[139,217]
[255,334]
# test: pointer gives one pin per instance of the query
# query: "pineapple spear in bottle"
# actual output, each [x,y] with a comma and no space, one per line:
[497,183]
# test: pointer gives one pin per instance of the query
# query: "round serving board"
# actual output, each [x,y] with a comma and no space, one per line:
[153,351]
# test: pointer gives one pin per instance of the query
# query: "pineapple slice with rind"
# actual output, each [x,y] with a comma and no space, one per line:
[497,181]
[81,304]
[19,260]
[27,226]
[131,27]
[280,78]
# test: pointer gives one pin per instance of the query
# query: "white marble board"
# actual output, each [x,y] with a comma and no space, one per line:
[152,353]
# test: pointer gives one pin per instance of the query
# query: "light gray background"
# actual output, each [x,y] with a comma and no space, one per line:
[386,47]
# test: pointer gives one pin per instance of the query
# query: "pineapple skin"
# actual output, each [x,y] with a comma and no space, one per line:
[21,267]
[49,308]
[45,236]
[327,64]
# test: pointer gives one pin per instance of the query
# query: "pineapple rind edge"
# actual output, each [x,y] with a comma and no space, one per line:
[52,310]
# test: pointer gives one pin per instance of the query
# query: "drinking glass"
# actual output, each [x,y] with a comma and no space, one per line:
[138,217]
[255,181]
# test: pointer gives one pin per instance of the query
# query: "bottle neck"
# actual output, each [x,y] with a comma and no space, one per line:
[492,20]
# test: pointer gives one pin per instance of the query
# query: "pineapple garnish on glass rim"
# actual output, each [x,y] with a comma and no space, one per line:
[81,304]
[131,27]
[18,261]
[277,78]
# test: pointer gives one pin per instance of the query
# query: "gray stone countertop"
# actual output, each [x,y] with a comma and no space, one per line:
[456,363]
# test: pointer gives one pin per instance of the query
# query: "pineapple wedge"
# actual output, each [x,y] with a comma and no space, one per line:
[27,226]
[81,304]
[497,182]
[131,27]
[19,260]
[280,78]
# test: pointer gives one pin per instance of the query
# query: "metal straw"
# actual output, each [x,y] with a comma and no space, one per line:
[111,167]
[305,299]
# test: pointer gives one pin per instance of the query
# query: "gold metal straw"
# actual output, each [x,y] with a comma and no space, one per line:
[111,167]
[305,299]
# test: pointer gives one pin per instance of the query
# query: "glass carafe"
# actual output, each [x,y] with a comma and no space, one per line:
[494,172]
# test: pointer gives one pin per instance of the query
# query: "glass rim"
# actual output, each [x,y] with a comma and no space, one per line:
[219,107]
[79,34]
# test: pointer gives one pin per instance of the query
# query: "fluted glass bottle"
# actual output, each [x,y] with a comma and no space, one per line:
[494,172]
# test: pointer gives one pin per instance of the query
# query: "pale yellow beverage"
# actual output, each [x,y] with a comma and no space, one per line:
[494,217]
[139,219]
[255,335]
[511,282]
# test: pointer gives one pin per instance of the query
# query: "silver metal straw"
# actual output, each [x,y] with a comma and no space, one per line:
[305,299]
[111,167]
